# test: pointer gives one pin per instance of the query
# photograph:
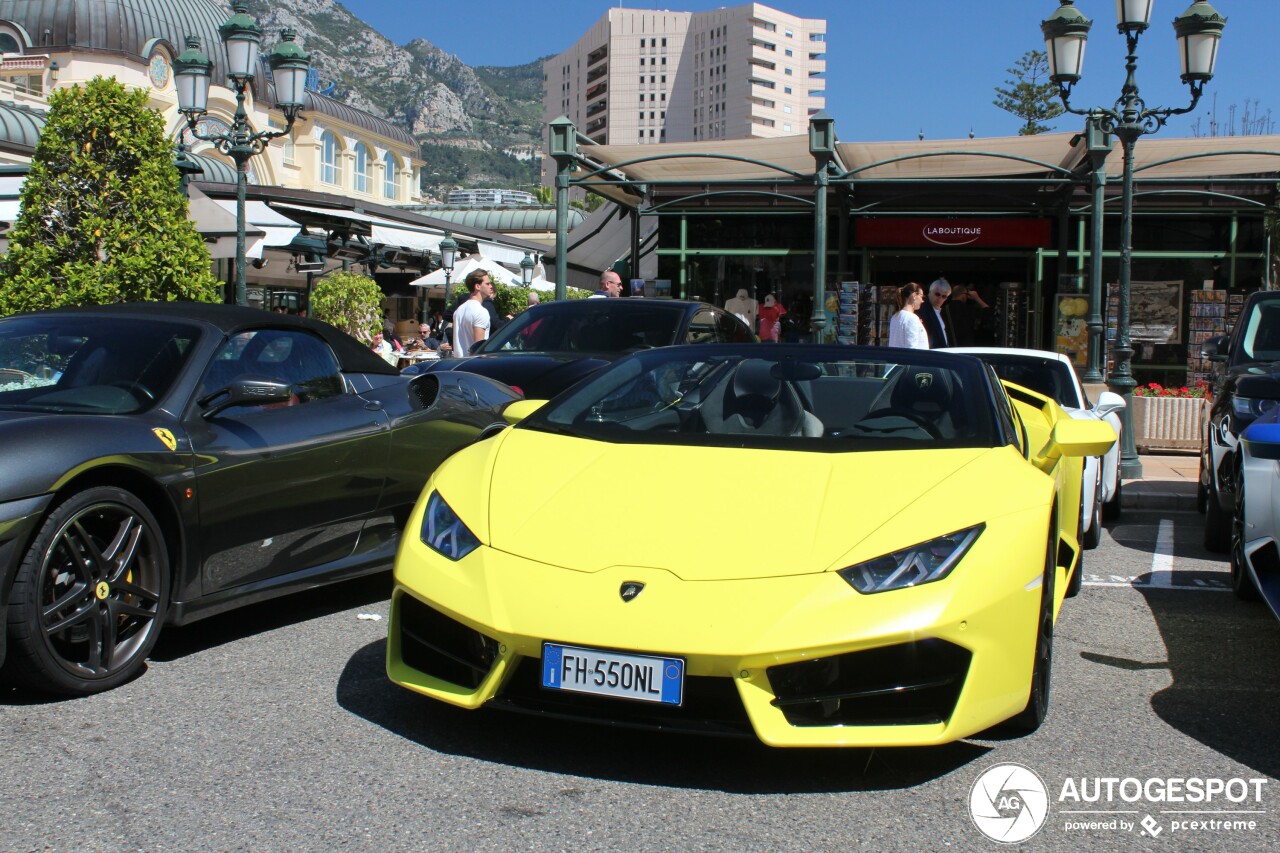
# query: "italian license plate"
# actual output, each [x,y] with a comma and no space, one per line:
[644,677]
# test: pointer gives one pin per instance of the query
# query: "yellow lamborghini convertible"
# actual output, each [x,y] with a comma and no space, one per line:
[823,546]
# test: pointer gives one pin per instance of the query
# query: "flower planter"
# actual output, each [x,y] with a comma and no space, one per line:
[1169,423]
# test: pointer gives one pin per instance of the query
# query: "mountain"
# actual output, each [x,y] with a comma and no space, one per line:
[475,127]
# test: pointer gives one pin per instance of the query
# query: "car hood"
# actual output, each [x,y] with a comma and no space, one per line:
[540,376]
[706,513]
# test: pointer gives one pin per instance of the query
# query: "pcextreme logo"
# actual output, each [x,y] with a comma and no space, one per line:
[1009,803]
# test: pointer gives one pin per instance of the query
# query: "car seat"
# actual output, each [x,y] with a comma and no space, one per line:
[753,401]
[926,392]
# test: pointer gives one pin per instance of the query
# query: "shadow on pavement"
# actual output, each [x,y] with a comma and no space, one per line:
[1225,691]
[279,612]
[734,765]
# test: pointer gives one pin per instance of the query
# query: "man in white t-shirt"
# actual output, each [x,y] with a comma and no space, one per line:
[471,319]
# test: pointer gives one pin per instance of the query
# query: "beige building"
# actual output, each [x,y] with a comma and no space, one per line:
[648,76]
[333,148]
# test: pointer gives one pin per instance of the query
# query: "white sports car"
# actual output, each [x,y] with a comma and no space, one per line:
[1051,374]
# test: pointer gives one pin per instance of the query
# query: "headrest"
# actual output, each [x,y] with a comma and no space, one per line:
[923,385]
[754,378]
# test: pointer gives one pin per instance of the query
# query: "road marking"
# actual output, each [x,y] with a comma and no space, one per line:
[1162,575]
[1162,559]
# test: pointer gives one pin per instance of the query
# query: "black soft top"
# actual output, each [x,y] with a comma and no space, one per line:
[353,356]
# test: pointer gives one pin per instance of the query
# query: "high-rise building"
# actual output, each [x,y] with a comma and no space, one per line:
[649,76]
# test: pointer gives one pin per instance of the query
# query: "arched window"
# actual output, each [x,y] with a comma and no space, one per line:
[362,168]
[330,164]
[8,44]
[390,169]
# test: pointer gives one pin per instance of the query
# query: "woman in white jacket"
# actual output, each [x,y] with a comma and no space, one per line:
[905,327]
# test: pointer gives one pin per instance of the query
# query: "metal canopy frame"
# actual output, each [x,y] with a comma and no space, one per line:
[796,192]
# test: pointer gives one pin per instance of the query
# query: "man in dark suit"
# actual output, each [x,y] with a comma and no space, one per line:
[936,319]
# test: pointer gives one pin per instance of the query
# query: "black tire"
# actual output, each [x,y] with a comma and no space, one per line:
[1111,509]
[1076,583]
[1092,537]
[1217,524]
[1241,581]
[90,595]
[1032,716]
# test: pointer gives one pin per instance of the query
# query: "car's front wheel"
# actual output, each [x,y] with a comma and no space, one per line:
[1217,532]
[1241,581]
[90,596]
[1037,708]
[1111,509]
[1092,537]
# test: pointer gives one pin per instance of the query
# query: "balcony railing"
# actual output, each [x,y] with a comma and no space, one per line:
[596,125]
[597,108]
[597,90]
[596,73]
[596,55]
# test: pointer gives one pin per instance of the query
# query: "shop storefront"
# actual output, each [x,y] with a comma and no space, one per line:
[1009,217]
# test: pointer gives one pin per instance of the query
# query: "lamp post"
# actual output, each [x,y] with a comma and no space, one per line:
[1198,30]
[448,255]
[822,147]
[242,37]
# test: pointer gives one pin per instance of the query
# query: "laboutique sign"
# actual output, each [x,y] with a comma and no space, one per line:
[953,233]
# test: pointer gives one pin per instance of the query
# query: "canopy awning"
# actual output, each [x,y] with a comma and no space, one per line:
[603,239]
[780,158]
[961,158]
[274,228]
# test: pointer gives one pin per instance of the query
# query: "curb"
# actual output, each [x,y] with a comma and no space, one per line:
[1179,497]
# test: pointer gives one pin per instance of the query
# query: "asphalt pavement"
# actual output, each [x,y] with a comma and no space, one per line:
[275,728]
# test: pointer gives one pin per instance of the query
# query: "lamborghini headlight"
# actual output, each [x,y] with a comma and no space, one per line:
[924,563]
[444,532]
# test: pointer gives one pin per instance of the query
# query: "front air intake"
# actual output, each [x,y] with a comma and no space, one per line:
[436,645]
[909,684]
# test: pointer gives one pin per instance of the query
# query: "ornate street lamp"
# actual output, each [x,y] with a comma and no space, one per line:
[448,255]
[242,37]
[526,269]
[1199,30]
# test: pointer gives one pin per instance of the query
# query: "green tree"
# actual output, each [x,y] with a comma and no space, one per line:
[1026,97]
[545,195]
[103,215]
[348,301]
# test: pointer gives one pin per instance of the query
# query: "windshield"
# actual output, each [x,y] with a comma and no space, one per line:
[1049,377]
[823,398]
[1260,333]
[589,325]
[89,364]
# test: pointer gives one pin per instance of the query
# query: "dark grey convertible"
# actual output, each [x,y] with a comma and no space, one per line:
[164,462]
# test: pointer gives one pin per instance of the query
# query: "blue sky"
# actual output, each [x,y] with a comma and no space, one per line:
[899,67]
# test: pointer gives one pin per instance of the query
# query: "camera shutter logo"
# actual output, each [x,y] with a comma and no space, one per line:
[1009,803]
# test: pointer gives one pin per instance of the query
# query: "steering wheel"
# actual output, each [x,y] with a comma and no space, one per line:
[136,388]
[906,414]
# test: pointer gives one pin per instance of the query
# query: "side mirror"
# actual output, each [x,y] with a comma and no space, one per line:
[521,409]
[1108,402]
[1215,349]
[1076,438]
[245,392]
